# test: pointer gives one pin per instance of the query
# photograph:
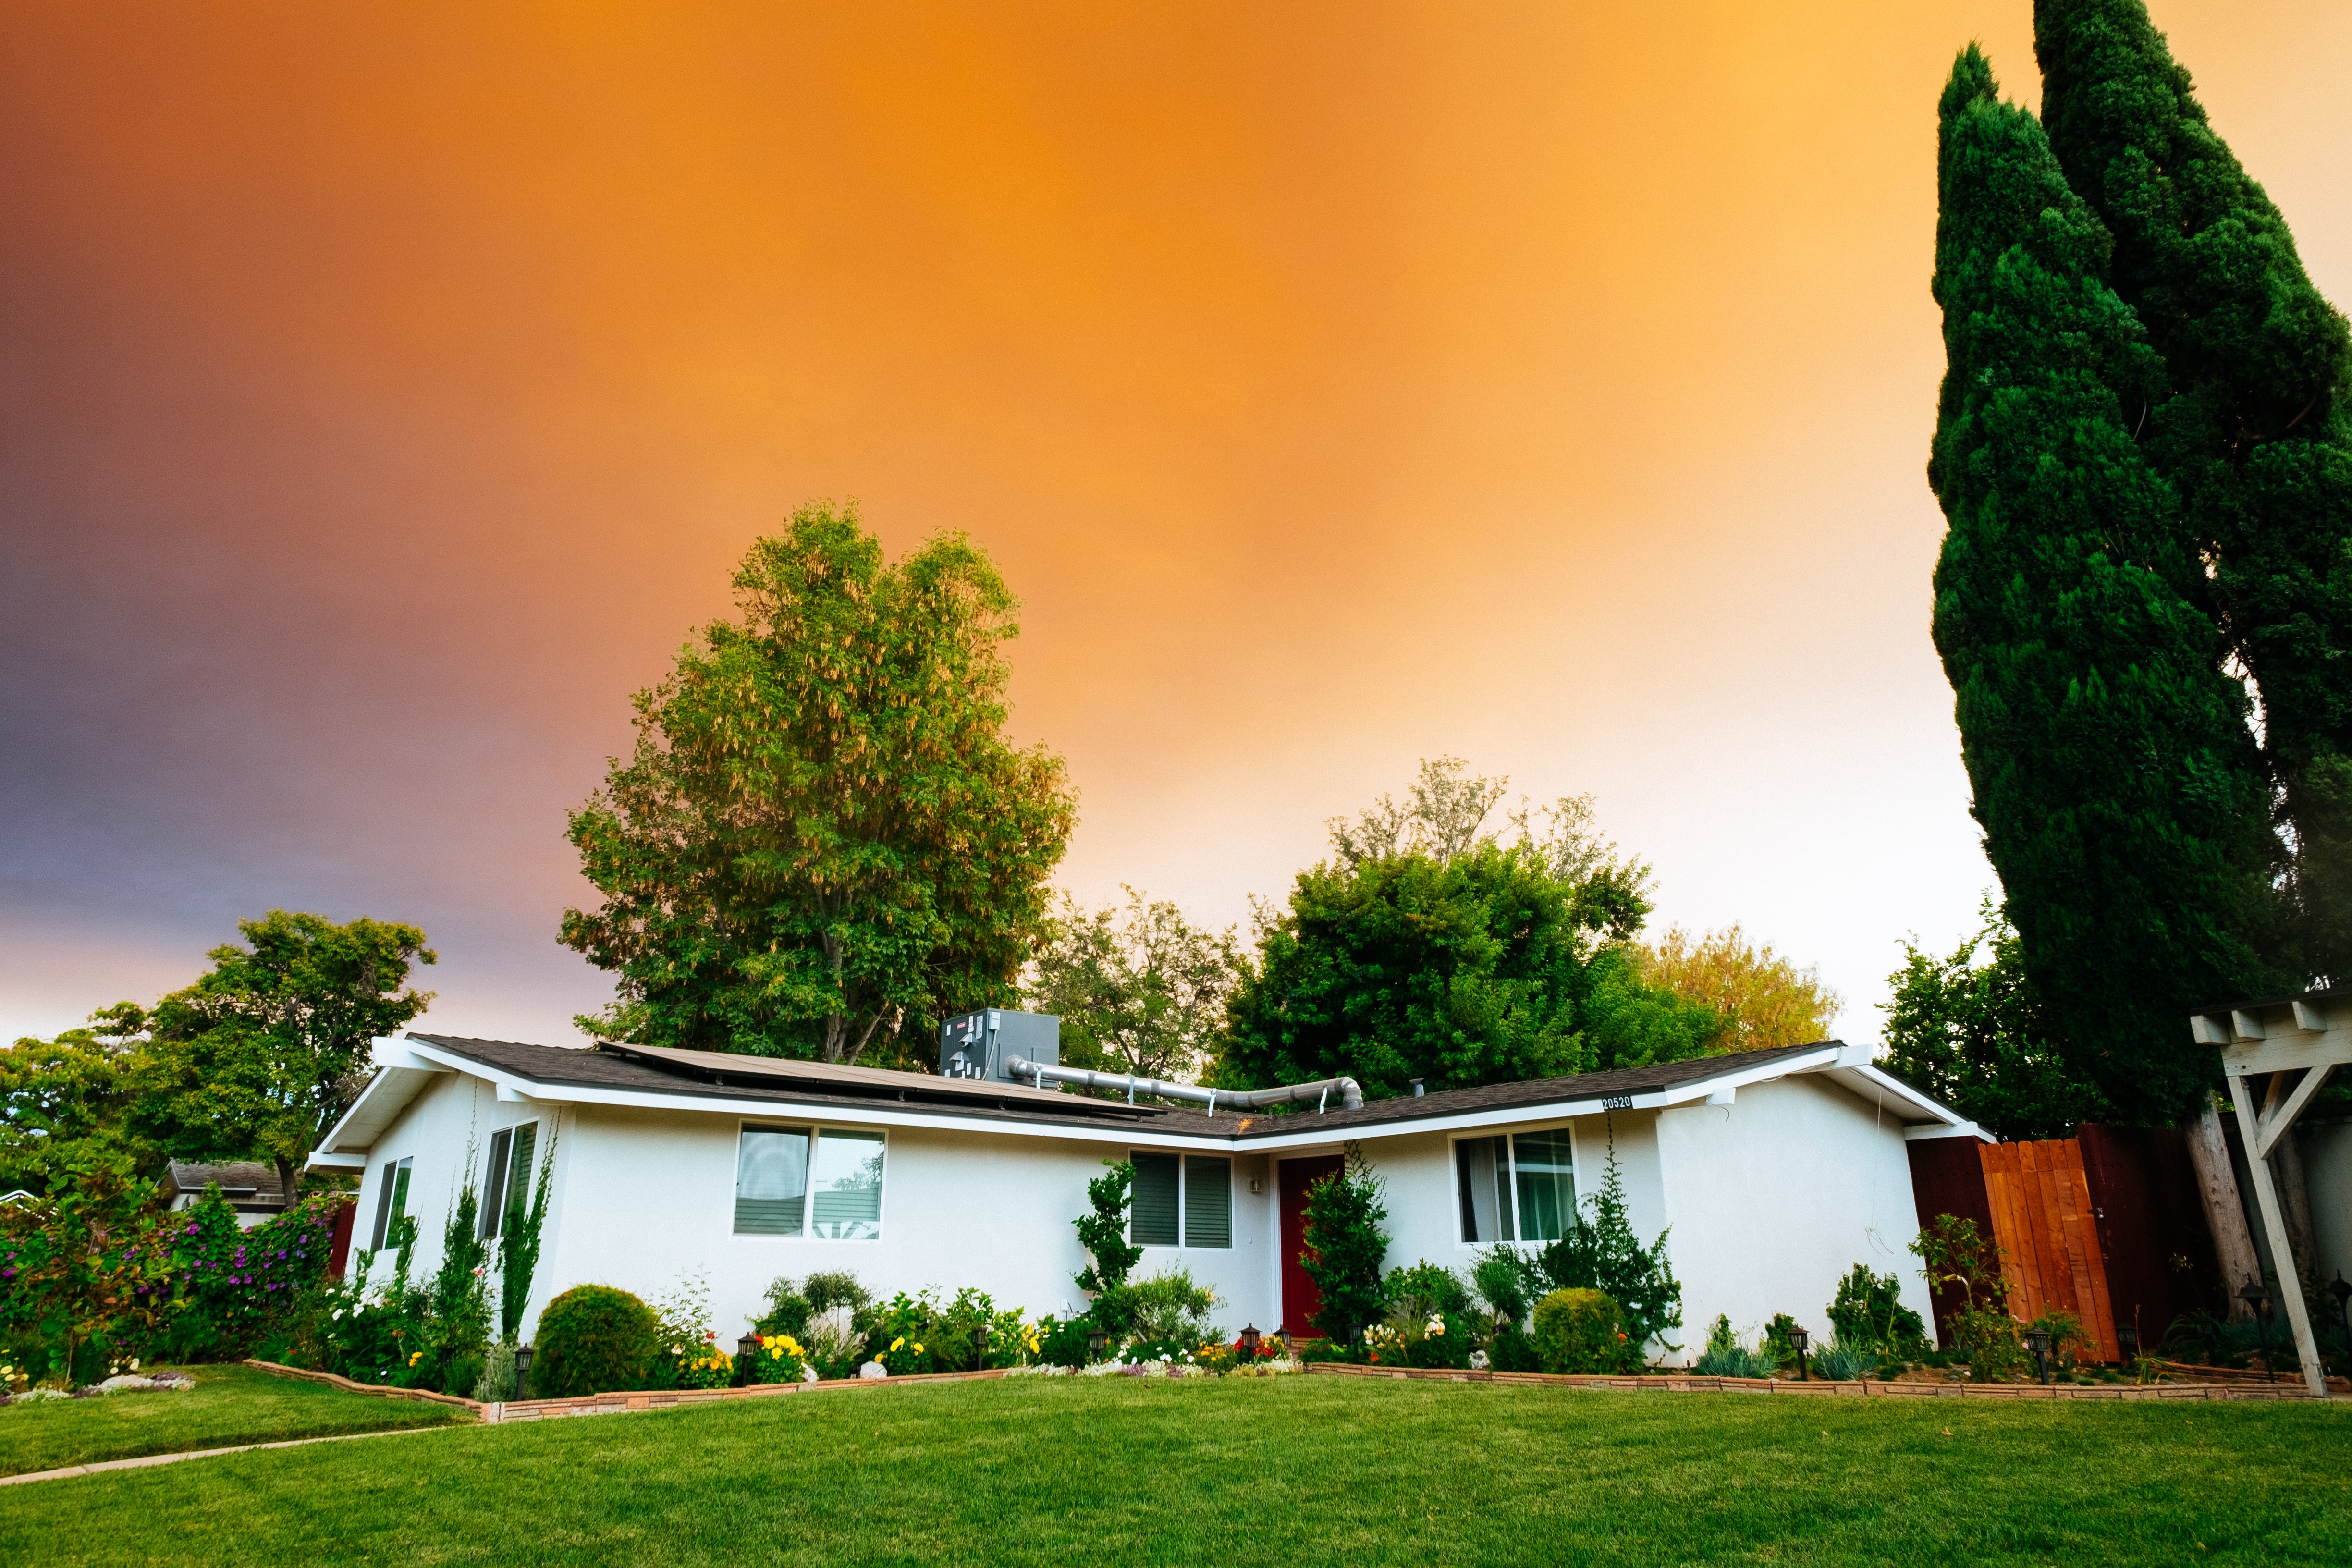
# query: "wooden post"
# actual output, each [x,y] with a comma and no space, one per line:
[2275,1226]
[2225,1213]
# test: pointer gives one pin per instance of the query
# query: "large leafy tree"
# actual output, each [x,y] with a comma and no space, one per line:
[1975,1036]
[823,836]
[66,1102]
[1430,947]
[2251,420]
[1764,998]
[1140,989]
[265,1053]
[2113,770]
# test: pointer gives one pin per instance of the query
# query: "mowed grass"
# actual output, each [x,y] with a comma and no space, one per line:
[1295,1470]
[229,1405]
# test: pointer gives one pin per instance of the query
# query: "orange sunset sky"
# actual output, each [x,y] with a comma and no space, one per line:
[388,389]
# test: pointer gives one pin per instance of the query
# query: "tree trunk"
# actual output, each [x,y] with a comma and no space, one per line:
[2294,1187]
[2225,1214]
[288,1179]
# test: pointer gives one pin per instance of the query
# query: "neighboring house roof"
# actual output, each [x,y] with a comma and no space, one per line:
[725,1082]
[246,1183]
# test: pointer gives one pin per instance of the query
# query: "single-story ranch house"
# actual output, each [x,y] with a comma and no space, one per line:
[1774,1171]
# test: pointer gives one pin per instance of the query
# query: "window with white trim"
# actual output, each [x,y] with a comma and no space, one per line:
[506,1181]
[1517,1186]
[1182,1200]
[820,1182]
[391,1201]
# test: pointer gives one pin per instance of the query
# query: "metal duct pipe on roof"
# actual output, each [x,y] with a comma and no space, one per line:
[1351,1096]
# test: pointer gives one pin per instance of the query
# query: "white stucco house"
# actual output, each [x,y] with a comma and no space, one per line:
[1775,1171]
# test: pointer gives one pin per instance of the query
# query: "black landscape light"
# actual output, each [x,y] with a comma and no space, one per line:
[1248,1343]
[2342,1294]
[2127,1342]
[2257,1300]
[1095,1343]
[2038,1341]
[1801,1339]
[979,1348]
[522,1369]
[747,1350]
[1284,1335]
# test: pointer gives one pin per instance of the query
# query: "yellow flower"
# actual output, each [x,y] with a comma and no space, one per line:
[417,1357]
[918,1349]
[896,1343]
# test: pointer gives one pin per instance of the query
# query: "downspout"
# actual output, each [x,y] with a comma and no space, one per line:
[1351,1096]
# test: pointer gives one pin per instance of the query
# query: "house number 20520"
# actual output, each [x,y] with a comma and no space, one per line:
[1617,1103]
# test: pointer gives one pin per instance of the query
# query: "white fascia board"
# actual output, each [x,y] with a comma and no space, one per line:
[1308,1136]
[1927,1129]
[1761,1072]
[335,1160]
[1873,1082]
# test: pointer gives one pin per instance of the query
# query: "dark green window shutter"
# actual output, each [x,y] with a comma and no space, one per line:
[494,1182]
[1154,1217]
[526,1147]
[1208,1201]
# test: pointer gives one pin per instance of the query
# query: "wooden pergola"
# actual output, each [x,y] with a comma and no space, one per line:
[2310,1034]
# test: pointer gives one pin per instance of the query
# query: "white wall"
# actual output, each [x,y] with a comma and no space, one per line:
[443,1131]
[2327,1171]
[644,1198]
[1774,1199]
[1771,1200]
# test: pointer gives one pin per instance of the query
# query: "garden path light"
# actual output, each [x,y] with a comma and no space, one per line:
[2257,1300]
[2037,1341]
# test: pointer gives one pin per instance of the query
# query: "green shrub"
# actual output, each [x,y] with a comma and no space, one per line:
[1504,1280]
[1065,1342]
[789,1310]
[1512,1350]
[1601,1252]
[1168,1307]
[594,1339]
[1582,1331]
[1725,1356]
[1842,1361]
[910,1334]
[1426,1288]
[1345,1247]
[1868,1315]
[1103,1233]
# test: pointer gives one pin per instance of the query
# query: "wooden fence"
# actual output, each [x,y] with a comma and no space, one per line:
[2048,1236]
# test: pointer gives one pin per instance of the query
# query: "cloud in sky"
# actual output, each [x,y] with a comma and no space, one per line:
[389,390]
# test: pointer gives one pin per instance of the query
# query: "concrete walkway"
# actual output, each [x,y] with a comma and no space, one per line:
[101,1465]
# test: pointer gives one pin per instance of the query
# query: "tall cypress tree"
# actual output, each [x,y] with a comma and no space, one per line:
[2253,423]
[2114,772]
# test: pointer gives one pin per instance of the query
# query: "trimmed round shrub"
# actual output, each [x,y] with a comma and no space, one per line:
[1582,1331]
[592,1339]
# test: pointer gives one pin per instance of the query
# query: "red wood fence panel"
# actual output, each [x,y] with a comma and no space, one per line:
[2152,1226]
[2043,1219]
[1948,1178]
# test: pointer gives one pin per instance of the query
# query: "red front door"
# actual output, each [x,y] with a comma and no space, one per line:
[1301,1300]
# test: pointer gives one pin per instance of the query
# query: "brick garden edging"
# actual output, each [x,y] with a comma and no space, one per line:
[1817,1389]
[671,1399]
[334,1381]
[498,1412]
[620,1404]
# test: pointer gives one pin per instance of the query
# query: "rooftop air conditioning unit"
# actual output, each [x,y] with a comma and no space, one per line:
[978,1045]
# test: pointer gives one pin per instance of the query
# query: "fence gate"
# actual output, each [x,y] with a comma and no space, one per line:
[2048,1236]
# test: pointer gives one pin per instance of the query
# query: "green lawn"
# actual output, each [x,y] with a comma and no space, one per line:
[229,1405]
[1239,1472]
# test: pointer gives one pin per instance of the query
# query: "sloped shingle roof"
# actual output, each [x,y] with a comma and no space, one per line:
[625,1070]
